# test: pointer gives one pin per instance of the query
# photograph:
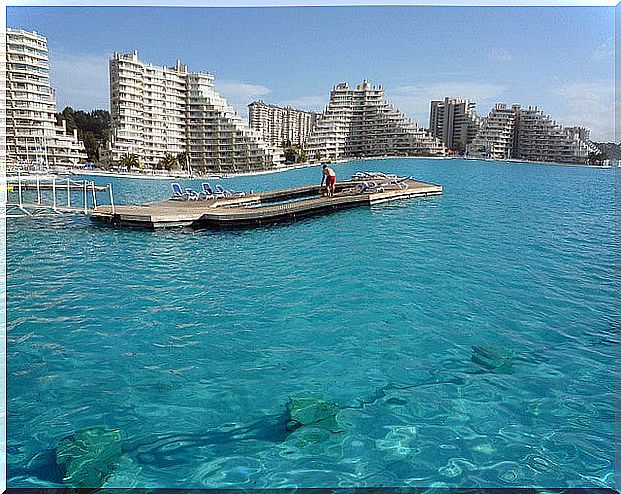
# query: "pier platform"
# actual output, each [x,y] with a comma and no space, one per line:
[265,207]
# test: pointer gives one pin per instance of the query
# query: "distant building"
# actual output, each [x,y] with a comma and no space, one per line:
[360,122]
[32,136]
[454,121]
[277,124]
[531,135]
[495,139]
[167,110]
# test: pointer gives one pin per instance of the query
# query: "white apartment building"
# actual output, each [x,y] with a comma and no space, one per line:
[167,110]
[32,136]
[495,139]
[529,134]
[277,124]
[360,122]
[454,121]
[147,109]
[218,139]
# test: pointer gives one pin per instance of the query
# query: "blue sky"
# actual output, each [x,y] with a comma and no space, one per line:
[559,58]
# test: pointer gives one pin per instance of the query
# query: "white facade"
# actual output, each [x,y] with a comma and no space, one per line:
[495,138]
[33,139]
[218,139]
[360,122]
[157,111]
[531,135]
[277,124]
[454,122]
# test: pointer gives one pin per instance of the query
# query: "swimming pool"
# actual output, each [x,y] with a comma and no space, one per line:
[192,342]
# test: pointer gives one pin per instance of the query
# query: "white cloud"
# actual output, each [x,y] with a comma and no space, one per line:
[80,81]
[605,50]
[500,55]
[589,104]
[414,100]
[240,94]
[312,103]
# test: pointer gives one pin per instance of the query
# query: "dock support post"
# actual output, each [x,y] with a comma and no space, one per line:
[38,191]
[68,194]
[111,198]
[94,195]
[85,197]
[19,188]
[54,193]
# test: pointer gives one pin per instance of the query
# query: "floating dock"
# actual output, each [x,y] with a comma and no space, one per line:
[263,208]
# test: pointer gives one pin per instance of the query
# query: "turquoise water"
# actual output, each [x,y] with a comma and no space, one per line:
[191,341]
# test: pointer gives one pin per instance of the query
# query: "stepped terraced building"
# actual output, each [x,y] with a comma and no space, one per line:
[31,133]
[277,124]
[361,123]
[454,121]
[160,110]
[529,134]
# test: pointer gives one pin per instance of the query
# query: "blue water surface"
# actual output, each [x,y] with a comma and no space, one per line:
[192,341]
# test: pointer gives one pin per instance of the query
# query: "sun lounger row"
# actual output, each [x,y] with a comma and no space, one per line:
[370,182]
[207,192]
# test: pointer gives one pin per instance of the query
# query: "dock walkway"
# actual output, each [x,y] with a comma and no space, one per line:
[261,208]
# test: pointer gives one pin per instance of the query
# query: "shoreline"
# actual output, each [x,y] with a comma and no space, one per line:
[146,176]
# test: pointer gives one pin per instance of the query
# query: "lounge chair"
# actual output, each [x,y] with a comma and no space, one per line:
[229,193]
[364,188]
[208,192]
[178,193]
[192,194]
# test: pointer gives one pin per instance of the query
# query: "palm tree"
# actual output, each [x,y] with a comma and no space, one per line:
[168,162]
[182,160]
[129,161]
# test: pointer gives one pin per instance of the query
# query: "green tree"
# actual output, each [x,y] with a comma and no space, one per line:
[130,161]
[460,147]
[168,162]
[597,158]
[93,128]
[290,155]
[182,160]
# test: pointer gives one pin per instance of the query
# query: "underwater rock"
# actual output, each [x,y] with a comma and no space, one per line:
[312,408]
[493,358]
[89,456]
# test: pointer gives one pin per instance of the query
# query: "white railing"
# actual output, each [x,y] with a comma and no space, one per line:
[36,195]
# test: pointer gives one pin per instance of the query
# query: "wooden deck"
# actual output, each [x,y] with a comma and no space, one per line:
[260,208]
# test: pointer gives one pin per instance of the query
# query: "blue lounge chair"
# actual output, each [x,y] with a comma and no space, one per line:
[178,193]
[208,192]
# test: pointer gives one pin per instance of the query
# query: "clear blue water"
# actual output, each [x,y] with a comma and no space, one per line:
[183,338]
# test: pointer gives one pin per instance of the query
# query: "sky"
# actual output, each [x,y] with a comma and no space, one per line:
[560,59]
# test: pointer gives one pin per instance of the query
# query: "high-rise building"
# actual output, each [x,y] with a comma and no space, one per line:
[218,139]
[157,111]
[277,124]
[454,121]
[529,134]
[33,137]
[360,122]
[495,139]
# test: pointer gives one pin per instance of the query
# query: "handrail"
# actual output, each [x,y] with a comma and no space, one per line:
[44,198]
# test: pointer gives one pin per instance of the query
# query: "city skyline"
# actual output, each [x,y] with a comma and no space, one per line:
[405,49]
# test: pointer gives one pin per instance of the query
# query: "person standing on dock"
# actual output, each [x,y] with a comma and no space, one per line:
[330,176]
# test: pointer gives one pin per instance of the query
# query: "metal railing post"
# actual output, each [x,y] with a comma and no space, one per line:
[38,191]
[85,198]
[111,198]
[94,195]
[54,192]
[68,194]
[19,188]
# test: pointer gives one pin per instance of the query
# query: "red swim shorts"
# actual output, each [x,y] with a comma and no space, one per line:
[331,180]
